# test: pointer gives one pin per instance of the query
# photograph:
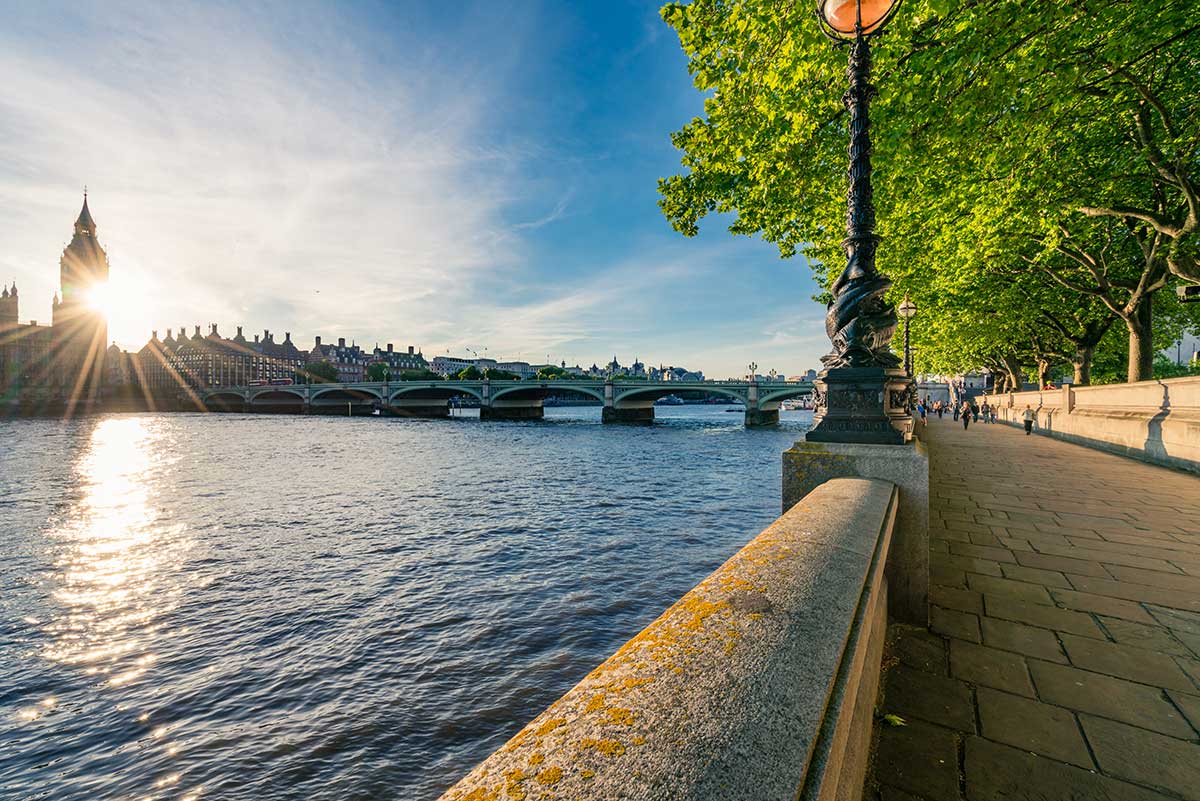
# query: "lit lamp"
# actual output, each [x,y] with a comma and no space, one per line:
[906,310]
[862,394]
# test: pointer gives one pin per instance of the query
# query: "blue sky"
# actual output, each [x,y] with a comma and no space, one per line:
[457,177]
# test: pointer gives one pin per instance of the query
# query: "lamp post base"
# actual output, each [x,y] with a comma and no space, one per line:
[866,405]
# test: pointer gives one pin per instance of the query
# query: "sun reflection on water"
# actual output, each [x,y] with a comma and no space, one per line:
[117,559]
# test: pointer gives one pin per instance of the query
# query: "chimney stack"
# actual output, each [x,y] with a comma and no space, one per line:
[318,341]
[197,331]
[239,331]
[287,336]
[341,342]
[389,347]
[410,351]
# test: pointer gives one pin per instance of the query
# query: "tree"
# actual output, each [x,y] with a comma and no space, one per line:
[1070,136]
[553,373]
[320,373]
[492,374]
[377,372]
[469,373]
[423,374]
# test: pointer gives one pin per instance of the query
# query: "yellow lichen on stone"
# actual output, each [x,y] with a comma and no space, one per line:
[606,747]
[596,703]
[550,776]
[701,610]
[549,726]
[620,716]
[586,774]
[537,759]
[639,740]
[513,788]
[482,794]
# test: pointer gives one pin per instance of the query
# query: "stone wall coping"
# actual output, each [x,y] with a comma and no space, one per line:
[735,691]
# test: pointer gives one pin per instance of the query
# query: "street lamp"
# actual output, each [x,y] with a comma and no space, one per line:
[753,367]
[862,394]
[906,310]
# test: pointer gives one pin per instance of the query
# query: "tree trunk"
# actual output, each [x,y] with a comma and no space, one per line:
[1141,341]
[1082,362]
[1043,372]
[1012,366]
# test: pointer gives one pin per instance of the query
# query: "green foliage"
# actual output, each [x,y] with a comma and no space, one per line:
[1166,367]
[320,373]
[1036,172]
[419,375]
[470,373]
[492,374]
[552,373]
[377,372]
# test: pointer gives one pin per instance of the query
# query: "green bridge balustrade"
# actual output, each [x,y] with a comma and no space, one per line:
[624,402]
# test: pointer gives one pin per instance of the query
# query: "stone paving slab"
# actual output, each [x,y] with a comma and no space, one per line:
[1063,655]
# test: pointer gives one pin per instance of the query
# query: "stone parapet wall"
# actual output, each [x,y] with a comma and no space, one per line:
[758,685]
[1156,421]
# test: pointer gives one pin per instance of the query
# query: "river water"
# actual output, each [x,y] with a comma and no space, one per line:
[259,607]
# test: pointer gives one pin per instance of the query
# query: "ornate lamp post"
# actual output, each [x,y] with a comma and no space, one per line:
[753,367]
[861,395]
[906,310]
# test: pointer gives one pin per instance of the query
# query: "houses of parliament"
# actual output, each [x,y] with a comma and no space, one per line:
[66,365]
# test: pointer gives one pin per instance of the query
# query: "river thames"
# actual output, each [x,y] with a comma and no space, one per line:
[259,607]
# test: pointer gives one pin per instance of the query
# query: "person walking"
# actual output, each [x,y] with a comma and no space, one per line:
[923,411]
[986,409]
[966,414]
[1030,418]
[940,408]
[957,408]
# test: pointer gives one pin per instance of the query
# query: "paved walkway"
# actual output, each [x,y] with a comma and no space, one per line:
[1063,661]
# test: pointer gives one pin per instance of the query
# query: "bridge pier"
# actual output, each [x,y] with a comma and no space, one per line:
[503,412]
[757,418]
[418,411]
[636,415]
[417,407]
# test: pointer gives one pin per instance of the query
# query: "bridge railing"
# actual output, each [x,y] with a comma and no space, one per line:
[758,684]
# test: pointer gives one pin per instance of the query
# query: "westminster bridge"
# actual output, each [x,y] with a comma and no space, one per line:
[624,402]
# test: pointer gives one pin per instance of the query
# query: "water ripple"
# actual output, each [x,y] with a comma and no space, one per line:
[240,607]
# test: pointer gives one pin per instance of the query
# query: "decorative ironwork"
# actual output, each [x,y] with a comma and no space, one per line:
[859,320]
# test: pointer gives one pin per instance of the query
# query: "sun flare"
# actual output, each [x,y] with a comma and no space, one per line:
[125,306]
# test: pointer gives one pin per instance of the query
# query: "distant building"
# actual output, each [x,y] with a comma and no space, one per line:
[398,361]
[350,360]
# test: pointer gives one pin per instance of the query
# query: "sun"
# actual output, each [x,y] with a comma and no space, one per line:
[125,306]
[99,298]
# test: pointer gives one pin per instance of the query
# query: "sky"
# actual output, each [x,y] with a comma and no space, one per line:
[464,178]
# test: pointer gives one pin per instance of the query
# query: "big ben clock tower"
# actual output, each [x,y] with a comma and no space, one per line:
[80,327]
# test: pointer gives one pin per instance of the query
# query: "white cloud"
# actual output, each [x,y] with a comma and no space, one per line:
[243,165]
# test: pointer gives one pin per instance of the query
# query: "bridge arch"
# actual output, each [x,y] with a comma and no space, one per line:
[225,401]
[277,395]
[654,392]
[344,394]
[549,388]
[436,391]
[784,394]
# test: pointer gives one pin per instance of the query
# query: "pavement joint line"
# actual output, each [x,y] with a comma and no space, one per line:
[1123,542]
